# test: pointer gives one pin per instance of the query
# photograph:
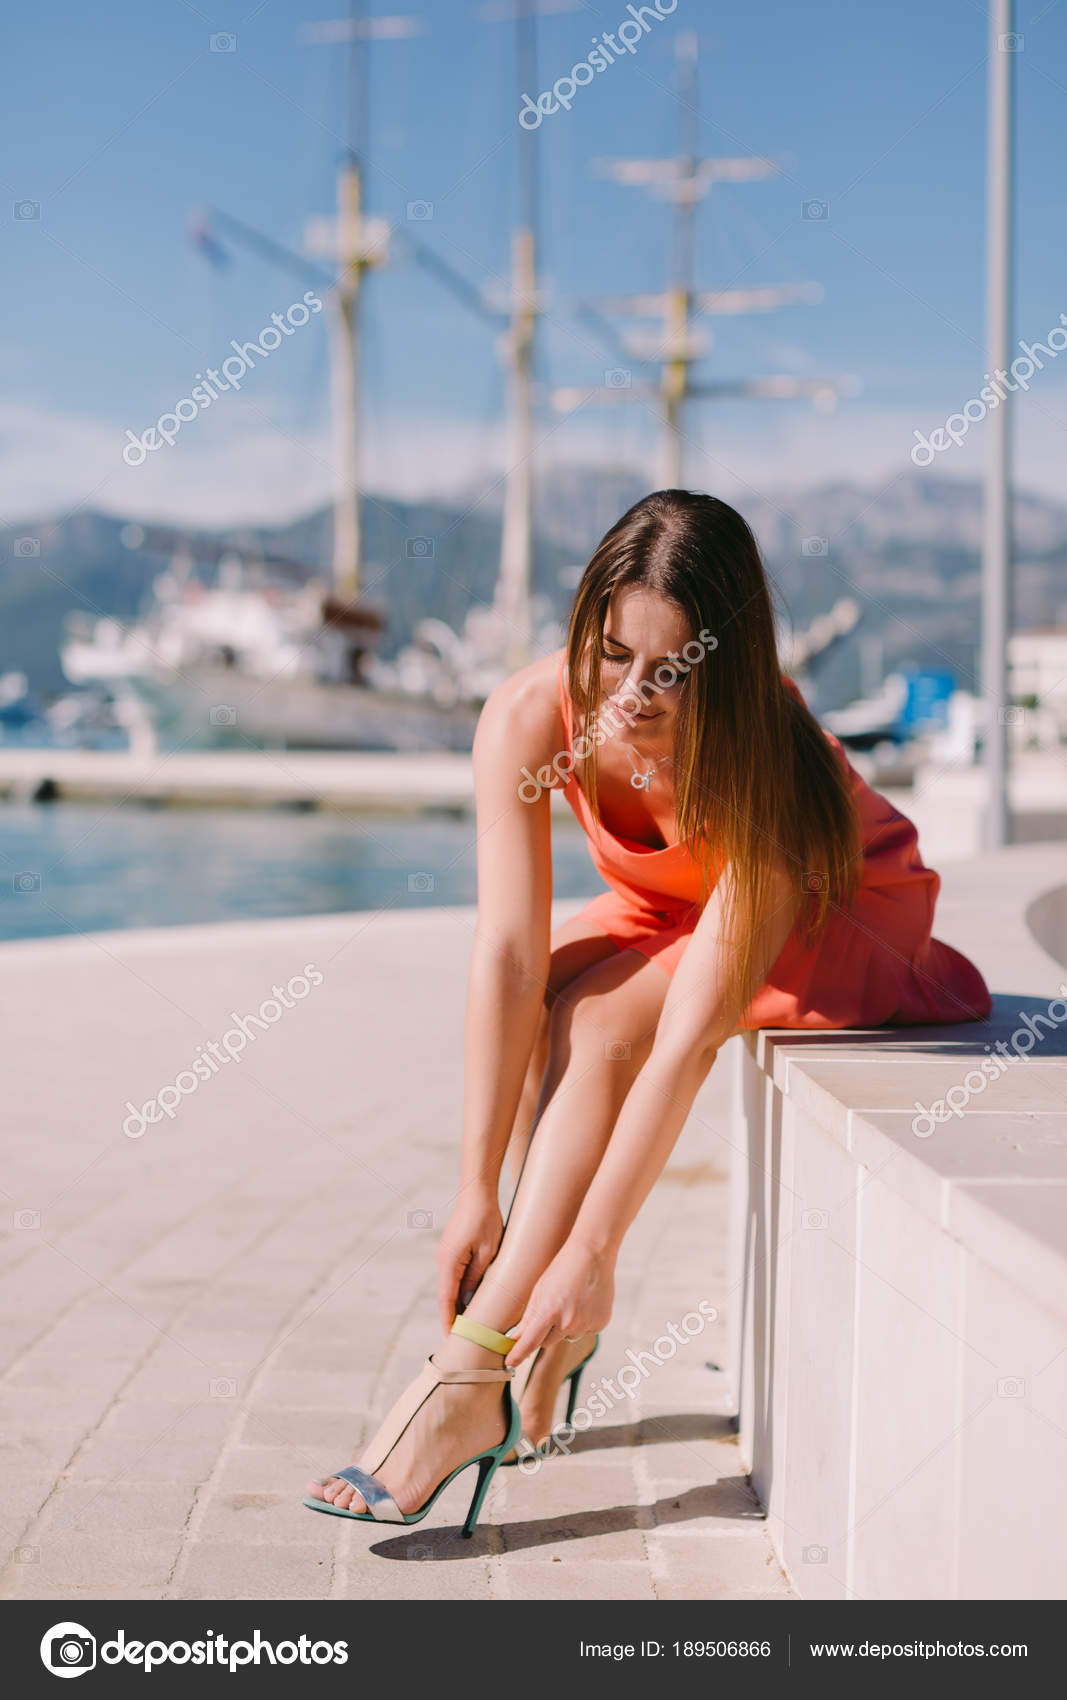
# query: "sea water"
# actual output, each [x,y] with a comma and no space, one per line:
[69,868]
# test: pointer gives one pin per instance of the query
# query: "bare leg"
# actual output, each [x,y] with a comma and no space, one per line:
[574,950]
[598,1038]
[526,1114]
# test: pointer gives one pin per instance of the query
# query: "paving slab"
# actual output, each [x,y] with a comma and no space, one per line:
[225,1304]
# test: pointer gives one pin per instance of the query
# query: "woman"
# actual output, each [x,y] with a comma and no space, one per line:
[754,880]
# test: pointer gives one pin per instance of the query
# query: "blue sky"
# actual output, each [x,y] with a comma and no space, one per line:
[120,120]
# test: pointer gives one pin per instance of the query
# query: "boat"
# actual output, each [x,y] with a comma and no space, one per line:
[909,703]
[272,653]
[17,708]
[239,647]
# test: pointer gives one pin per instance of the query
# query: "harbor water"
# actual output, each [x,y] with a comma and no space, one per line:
[69,868]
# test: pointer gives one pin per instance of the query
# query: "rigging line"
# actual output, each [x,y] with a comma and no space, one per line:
[451,279]
[268,249]
[608,333]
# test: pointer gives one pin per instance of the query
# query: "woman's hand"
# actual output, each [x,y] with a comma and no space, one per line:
[573,1297]
[466,1249]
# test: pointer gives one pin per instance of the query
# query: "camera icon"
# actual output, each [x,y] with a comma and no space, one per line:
[814,1218]
[419,1219]
[420,882]
[224,42]
[27,209]
[814,546]
[419,1552]
[1011,716]
[815,881]
[68,1649]
[27,548]
[618,378]
[814,1555]
[223,715]
[617,1050]
[27,1220]
[26,881]
[818,211]
[27,1555]
[1011,1387]
[420,210]
[419,548]
[1011,43]
[223,1387]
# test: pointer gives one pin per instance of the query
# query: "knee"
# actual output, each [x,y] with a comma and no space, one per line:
[594,1031]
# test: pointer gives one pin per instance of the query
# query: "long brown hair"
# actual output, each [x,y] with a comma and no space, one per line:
[756,779]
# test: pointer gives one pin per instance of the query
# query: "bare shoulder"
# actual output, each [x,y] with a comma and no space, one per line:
[522,722]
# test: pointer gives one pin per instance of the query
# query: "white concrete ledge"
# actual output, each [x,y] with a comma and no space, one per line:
[359,779]
[899,1343]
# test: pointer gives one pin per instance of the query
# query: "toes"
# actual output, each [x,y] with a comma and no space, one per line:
[348,1499]
[336,1492]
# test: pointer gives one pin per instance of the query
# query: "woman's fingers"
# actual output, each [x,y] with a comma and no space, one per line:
[452,1272]
[476,1268]
[534,1332]
[445,1304]
[527,1340]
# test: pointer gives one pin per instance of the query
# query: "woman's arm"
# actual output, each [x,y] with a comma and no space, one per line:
[695,1021]
[509,962]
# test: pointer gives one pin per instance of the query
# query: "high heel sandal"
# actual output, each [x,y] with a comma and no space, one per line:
[382,1508]
[527,1448]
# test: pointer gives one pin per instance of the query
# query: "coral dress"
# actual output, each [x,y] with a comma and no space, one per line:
[874,964]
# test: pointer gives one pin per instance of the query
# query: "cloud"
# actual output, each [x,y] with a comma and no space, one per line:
[215,474]
[230,466]
[220,470]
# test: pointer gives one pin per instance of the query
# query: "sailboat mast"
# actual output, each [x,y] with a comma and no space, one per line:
[356,246]
[512,599]
[679,302]
[516,540]
[344,341]
[344,374]
[686,178]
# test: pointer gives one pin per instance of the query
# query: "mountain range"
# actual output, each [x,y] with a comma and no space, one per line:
[909,553]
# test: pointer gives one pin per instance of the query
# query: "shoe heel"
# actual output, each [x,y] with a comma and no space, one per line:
[486,1466]
[572,1394]
[575,1380]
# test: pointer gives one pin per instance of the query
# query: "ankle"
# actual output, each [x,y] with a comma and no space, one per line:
[457,1353]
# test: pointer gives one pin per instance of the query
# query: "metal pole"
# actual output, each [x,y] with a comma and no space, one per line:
[996,554]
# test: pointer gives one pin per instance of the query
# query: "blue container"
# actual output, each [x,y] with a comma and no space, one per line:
[926,704]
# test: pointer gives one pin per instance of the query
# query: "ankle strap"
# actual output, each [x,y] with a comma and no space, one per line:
[448,1376]
[483,1336]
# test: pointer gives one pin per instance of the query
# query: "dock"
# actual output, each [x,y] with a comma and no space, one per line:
[384,780]
[945,803]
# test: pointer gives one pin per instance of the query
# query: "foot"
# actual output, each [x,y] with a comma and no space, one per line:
[539,1397]
[459,1420]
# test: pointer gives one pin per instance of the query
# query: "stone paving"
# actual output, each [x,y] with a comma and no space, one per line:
[199,1318]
